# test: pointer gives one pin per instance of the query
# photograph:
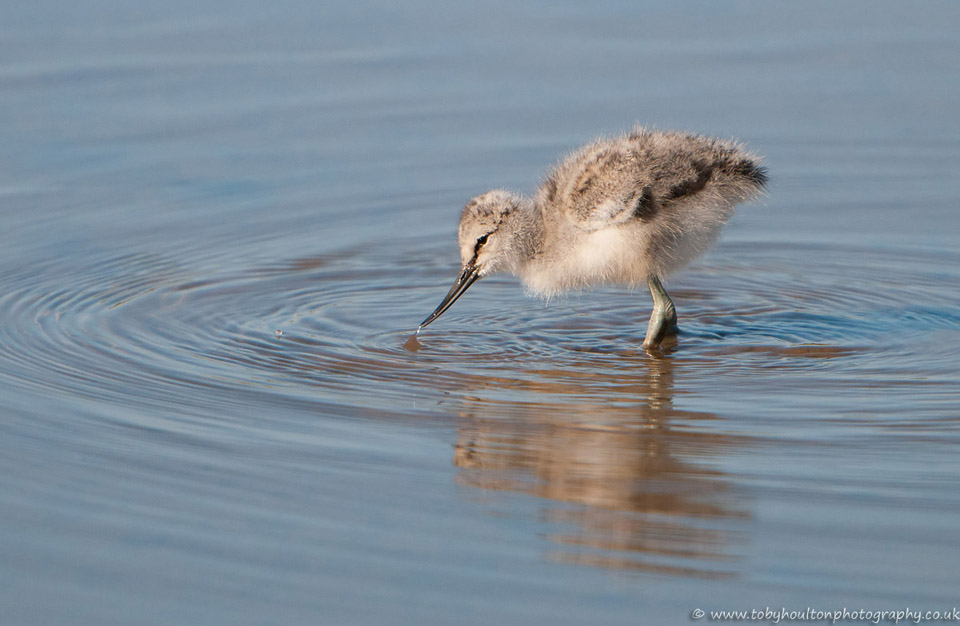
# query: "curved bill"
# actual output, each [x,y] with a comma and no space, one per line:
[469,275]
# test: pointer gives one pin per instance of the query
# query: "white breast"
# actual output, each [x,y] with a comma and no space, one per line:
[608,255]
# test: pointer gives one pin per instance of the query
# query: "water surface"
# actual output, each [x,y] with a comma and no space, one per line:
[220,223]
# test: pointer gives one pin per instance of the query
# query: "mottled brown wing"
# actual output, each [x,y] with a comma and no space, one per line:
[603,188]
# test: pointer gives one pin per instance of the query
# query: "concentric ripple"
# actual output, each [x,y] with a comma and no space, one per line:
[337,328]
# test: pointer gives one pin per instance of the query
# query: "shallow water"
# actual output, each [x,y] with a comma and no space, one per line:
[219,225]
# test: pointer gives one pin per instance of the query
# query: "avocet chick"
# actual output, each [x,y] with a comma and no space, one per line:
[629,210]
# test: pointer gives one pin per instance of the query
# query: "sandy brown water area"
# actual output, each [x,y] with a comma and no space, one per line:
[221,222]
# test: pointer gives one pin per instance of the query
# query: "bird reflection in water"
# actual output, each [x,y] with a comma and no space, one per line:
[633,473]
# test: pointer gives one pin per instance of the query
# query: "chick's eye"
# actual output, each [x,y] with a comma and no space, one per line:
[482,240]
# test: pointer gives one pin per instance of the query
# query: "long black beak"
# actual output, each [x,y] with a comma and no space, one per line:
[469,275]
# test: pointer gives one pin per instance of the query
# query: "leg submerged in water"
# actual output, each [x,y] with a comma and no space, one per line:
[663,318]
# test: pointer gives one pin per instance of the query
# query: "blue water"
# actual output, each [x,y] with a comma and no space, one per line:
[220,222]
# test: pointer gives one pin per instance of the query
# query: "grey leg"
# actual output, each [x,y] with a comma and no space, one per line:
[663,319]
